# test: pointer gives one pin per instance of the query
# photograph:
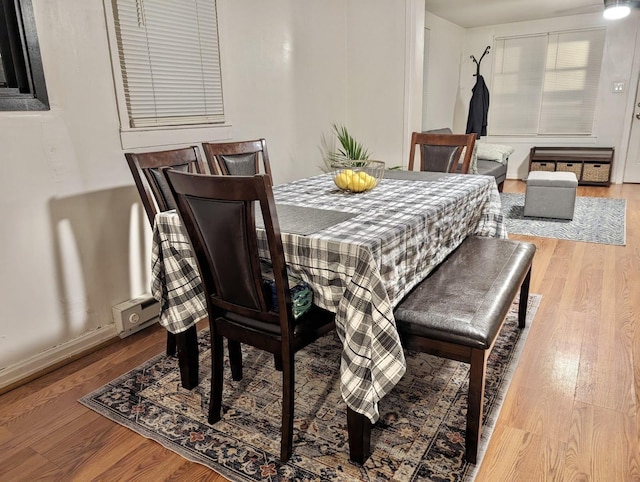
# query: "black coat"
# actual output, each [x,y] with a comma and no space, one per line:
[478,108]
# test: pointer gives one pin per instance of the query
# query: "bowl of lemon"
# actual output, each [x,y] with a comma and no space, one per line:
[357,176]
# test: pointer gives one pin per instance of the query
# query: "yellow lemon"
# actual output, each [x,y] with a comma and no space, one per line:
[357,184]
[348,172]
[342,180]
[371,182]
[363,175]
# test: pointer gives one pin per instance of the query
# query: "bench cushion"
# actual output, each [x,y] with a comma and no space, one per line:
[465,300]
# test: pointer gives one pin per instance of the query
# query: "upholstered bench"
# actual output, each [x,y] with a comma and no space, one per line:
[550,194]
[457,311]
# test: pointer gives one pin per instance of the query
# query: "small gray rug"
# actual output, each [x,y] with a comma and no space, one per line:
[595,220]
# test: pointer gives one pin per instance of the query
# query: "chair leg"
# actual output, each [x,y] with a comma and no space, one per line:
[235,359]
[524,300]
[288,384]
[217,365]
[171,344]
[187,346]
[277,361]
[475,403]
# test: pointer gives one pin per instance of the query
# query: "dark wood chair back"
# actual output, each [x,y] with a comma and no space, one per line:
[218,214]
[156,197]
[238,158]
[152,187]
[442,152]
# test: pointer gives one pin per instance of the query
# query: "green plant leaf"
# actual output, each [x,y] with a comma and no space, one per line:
[351,149]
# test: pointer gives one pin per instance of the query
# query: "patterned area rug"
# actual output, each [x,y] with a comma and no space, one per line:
[595,220]
[420,435]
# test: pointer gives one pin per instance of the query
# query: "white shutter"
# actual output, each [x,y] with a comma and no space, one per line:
[546,84]
[517,79]
[170,61]
[571,82]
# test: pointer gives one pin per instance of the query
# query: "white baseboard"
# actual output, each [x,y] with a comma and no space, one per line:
[14,373]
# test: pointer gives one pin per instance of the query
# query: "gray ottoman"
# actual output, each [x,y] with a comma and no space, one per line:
[550,194]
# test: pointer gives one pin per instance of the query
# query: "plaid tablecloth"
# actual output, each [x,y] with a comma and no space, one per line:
[359,269]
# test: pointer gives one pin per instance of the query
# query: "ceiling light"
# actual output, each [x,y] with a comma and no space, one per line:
[614,9]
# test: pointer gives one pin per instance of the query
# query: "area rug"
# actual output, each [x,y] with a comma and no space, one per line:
[420,435]
[595,220]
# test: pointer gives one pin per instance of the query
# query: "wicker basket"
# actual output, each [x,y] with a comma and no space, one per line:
[543,166]
[575,167]
[594,172]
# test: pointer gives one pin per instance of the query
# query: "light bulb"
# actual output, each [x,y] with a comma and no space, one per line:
[616,12]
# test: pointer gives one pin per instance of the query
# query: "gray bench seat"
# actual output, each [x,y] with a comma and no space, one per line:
[457,311]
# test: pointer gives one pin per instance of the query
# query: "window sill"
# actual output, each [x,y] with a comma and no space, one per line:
[540,140]
[162,136]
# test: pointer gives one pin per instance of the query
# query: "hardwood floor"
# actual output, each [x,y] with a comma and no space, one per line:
[571,412]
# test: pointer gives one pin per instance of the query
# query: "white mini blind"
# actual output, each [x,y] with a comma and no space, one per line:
[546,84]
[170,61]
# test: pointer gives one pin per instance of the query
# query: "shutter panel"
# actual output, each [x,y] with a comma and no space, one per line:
[546,84]
[517,80]
[571,82]
[170,61]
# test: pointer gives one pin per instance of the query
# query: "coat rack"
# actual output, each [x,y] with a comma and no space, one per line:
[486,51]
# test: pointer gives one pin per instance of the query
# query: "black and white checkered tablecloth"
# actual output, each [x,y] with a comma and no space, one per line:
[359,269]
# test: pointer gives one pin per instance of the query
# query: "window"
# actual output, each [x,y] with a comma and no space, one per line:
[546,84]
[169,60]
[22,85]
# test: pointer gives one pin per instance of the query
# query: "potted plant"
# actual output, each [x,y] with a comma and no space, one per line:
[352,169]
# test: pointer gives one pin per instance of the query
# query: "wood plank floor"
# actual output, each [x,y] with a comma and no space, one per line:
[571,412]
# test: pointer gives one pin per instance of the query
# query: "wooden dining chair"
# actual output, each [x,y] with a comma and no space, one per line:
[156,197]
[442,152]
[242,158]
[218,214]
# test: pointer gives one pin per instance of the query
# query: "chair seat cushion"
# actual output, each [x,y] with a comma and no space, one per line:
[465,300]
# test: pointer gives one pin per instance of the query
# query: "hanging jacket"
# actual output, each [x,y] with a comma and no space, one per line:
[478,108]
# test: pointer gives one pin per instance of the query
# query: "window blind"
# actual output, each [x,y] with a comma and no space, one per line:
[546,84]
[170,61]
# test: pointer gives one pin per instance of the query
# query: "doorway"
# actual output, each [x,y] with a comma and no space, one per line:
[632,164]
[425,76]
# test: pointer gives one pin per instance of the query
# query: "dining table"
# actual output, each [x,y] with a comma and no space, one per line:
[361,253]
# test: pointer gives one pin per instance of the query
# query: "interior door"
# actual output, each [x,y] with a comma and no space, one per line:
[632,165]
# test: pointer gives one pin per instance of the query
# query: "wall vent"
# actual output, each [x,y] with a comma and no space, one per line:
[136,314]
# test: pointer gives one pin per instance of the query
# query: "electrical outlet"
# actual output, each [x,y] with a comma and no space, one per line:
[618,87]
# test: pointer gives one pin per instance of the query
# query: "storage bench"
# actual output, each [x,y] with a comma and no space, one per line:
[591,165]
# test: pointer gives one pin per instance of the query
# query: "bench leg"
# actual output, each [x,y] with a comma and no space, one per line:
[475,403]
[359,428]
[524,300]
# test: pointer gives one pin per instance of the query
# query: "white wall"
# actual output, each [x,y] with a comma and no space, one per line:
[611,127]
[72,224]
[283,65]
[443,72]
